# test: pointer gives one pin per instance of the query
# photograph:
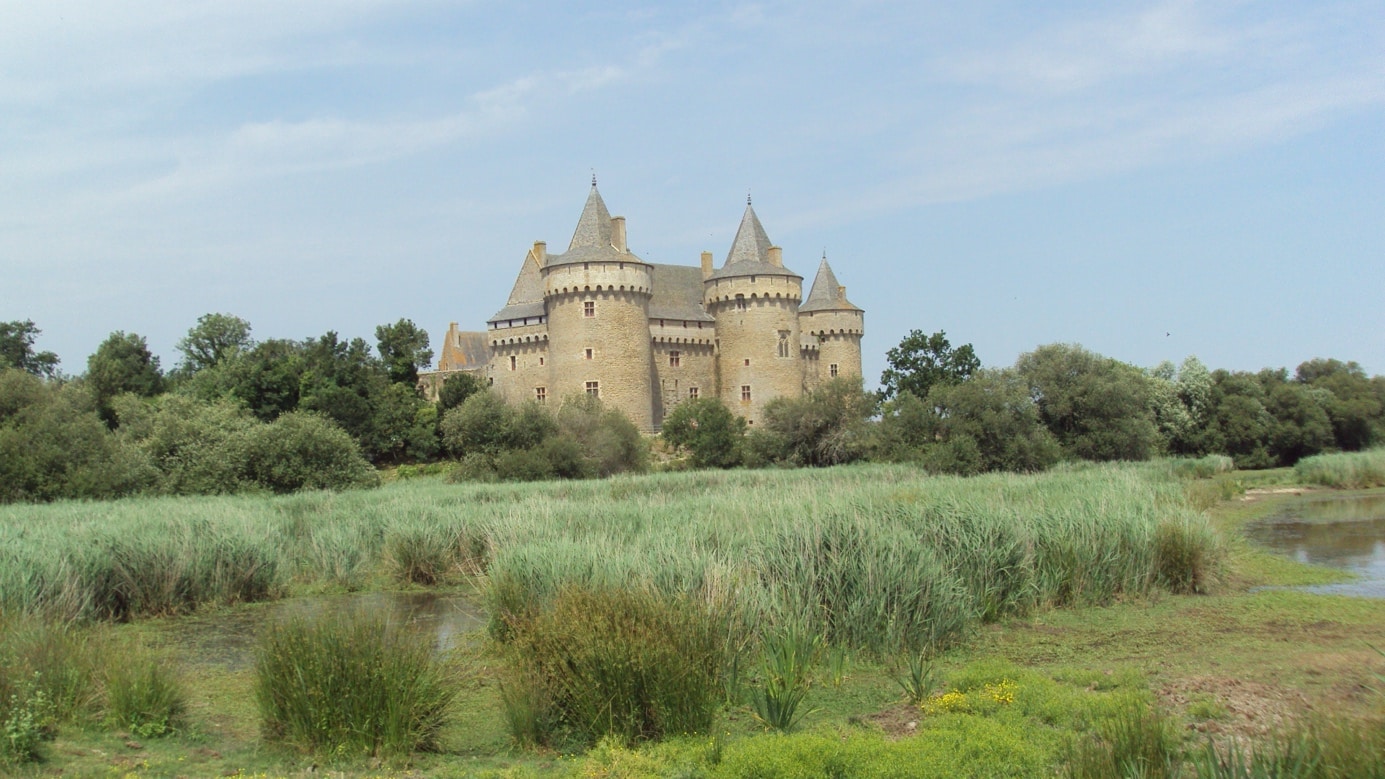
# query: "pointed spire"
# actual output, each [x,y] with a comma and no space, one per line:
[751,244]
[826,294]
[594,227]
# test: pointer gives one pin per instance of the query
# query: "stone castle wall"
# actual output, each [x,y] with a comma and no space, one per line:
[758,342]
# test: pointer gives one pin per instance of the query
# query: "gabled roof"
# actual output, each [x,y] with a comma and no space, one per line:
[826,294]
[749,255]
[469,351]
[678,294]
[526,298]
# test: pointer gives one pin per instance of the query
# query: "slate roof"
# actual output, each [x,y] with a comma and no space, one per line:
[678,294]
[526,298]
[826,294]
[473,352]
[749,255]
[591,241]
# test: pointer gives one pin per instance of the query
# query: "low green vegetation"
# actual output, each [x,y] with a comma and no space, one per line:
[351,686]
[1343,470]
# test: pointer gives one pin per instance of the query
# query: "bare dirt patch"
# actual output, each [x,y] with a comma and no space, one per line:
[1244,709]
[897,721]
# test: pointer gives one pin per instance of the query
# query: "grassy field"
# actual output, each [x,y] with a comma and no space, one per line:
[1048,606]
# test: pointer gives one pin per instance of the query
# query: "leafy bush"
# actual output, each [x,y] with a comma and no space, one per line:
[303,451]
[708,430]
[627,663]
[828,426]
[351,684]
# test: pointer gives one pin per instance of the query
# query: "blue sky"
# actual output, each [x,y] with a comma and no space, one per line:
[1151,180]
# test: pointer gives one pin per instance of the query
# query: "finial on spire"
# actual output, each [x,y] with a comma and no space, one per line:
[747,198]
[593,178]
[824,252]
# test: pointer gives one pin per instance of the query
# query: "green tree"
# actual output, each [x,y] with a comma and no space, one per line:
[121,364]
[1240,425]
[404,349]
[920,361]
[1301,426]
[1098,408]
[215,339]
[708,430]
[1354,406]
[17,350]
[988,423]
[828,426]
[457,388]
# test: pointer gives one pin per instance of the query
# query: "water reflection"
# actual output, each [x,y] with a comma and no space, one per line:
[1341,532]
[229,638]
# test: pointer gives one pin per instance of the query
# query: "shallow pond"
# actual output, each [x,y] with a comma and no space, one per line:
[228,638]
[1346,532]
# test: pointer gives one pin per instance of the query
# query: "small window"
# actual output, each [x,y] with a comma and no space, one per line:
[674,358]
[747,362]
[832,369]
[541,394]
[513,362]
[589,353]
[594,389]
[692,393]
[540,361]
[589,309]
[745,393]
[740,302]
[783,343]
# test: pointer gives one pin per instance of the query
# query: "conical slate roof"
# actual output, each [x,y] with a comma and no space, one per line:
[749,255]
[826,294]
[593,239]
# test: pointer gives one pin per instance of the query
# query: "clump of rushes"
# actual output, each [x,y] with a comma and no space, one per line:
[144,695]
[1343,470]
[917,678]
[788,659]
[351,684]
[628,663]
[1136,739]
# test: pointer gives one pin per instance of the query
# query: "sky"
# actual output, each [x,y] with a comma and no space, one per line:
[1151,180]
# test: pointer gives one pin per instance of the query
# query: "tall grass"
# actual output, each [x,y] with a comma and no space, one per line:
[351,685]
[1343,470]
[629,664]
[875,558]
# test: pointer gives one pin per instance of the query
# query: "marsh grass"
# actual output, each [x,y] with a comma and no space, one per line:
[918,678]
[786,673]
[1134,740]
[1343,470]
[351,685]
[1323,747]
[613,662]
[145,695]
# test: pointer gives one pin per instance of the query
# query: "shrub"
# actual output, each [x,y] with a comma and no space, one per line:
[621,662]
[350,684]
[708,430]
[304,451]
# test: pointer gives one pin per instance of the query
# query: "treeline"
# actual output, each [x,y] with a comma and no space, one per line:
[238,414]
[939,408]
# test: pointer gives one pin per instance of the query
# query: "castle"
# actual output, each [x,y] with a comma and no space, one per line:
[644,337]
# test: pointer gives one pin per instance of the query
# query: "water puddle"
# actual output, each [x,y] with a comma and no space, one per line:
[1344,532]
[229,638]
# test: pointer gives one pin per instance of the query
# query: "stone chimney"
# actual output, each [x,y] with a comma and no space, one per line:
[776,256]
[541,253]
[618,233]
[706,265]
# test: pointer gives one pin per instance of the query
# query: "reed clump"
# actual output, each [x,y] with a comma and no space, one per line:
[1343,470]
[632,664]
[351,685]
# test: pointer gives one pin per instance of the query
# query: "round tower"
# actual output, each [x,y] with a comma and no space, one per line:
[754,300]
[596,295]
[835,324]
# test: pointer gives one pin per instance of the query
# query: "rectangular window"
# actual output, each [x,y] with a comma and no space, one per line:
[745,393]
[540,361]
[513,361]
[589,353]
[740,302]
[674,358]
[593,389]
[832,369]
[541,394]
[747,362]
[692,393]
[589,308]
